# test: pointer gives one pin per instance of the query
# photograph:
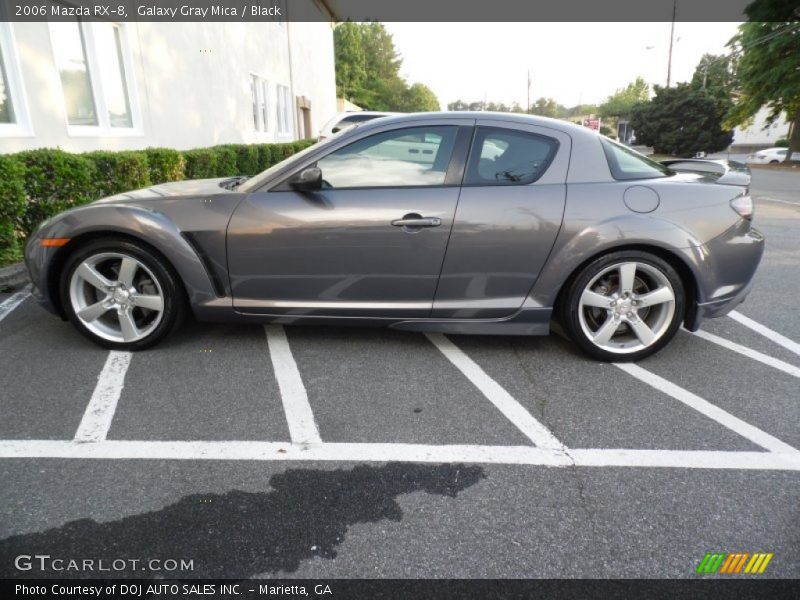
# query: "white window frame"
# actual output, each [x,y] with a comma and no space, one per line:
[260,86]
[284,112]
[103,127]
[16,89]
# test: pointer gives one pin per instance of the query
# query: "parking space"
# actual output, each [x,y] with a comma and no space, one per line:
[475,456]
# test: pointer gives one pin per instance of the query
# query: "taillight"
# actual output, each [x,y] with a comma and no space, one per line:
[743,205]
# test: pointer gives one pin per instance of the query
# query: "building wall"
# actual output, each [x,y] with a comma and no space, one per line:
[191,84]
[758,134]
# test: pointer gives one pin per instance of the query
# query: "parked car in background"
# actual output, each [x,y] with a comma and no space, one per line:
[345,120]
[770,156]
[458,222]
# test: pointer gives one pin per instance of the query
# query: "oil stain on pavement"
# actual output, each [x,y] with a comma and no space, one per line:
[305,514]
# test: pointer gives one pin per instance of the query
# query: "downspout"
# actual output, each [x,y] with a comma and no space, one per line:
[291,75]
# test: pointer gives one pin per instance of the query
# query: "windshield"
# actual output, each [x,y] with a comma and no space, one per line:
[626,163]
[256,181]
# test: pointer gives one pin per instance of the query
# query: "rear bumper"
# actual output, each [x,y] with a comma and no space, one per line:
[728,265]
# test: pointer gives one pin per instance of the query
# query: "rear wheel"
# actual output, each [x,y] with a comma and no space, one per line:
[624,306]
[121,295]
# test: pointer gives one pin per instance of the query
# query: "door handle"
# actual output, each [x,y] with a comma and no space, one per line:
[415,221]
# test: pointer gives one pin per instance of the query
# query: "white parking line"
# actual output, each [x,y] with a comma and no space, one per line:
[768,199]
[496,394]
[776,337]
[417,453]
[749,352]
[752,433]
[13,301]
[300,418]
[99,413]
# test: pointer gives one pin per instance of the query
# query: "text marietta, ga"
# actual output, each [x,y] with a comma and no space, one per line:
[215,10]
[165,588]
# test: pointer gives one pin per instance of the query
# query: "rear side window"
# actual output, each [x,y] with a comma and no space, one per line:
[508,157]
[628,164]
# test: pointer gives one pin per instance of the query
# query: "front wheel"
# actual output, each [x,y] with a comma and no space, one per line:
[121,295]
[624,306]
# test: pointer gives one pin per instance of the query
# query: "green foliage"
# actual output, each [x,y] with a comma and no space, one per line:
[368,71]
[54,181]
[782,143]
[226,161]
[547,107]
[681,121]
[116,172]
[246,159]
[606,130]
[622,102]
[12,208]
[164,164]
[767,70]
[201,163]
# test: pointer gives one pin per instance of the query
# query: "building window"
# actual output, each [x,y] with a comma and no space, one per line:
[284,111]
[14,121]
[259,91]
[95,74]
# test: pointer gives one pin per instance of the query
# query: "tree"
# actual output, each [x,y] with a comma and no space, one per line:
[420,98]
[681,121]
[547,107]
[621,102]
[368,71]
[769,53]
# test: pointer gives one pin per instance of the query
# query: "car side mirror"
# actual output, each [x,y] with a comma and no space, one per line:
[307,180]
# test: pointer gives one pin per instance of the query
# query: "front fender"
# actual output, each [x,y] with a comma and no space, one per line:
[151,227]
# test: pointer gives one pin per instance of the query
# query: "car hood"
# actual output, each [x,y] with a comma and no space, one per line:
[191,188]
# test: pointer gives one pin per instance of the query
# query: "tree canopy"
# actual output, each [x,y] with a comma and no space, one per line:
[681,121]
[368,71]
[767,71]
[621,102]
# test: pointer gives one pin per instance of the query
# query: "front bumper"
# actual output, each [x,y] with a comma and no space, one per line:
[37,261]
[727,268]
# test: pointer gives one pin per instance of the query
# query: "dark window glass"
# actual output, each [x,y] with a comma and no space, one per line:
[628,164]
[352,120]
[400,158]
[508,157]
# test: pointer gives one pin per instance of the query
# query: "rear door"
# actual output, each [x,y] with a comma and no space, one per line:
[509,214]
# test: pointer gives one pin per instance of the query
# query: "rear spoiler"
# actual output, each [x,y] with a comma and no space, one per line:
[729,172]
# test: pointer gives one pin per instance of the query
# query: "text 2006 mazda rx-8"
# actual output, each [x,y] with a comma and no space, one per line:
[474,223]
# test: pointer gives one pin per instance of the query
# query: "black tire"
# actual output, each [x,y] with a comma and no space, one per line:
[570,305]
[174,302]
[773,162]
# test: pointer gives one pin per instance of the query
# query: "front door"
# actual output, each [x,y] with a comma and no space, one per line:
[370,243]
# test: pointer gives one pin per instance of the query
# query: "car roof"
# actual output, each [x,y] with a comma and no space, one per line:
[523,119]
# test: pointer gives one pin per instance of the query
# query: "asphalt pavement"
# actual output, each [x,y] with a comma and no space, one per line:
[332,452]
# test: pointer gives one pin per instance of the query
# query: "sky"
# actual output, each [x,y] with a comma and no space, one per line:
[571,62]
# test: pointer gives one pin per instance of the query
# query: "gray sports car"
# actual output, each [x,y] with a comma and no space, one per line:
[475,223]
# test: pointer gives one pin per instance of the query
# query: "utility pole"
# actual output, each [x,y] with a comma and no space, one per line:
[528,105]
[671,39]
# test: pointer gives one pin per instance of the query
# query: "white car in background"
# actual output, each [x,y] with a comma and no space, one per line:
[345,120]
[770,156]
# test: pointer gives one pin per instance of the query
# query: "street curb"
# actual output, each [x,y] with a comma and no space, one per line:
[13,276]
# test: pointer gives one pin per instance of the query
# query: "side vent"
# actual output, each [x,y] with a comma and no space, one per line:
[213,275]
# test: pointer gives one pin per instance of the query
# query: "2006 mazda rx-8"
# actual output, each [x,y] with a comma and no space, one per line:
[475,223]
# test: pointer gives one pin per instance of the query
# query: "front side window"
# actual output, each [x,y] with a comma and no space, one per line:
[508,157]
[626,164]
[415,156]
[94,76]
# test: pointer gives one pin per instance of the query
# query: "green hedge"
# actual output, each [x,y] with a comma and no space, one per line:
[38,184]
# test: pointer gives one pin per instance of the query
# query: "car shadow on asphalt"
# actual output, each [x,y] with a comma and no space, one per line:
[241,534]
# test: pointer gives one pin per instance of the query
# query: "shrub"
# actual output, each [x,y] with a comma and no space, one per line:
[117,172]
[247,159]
[54,181]
[200,163]
[165,164]
[12,208]
[782,143]
[226,161]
